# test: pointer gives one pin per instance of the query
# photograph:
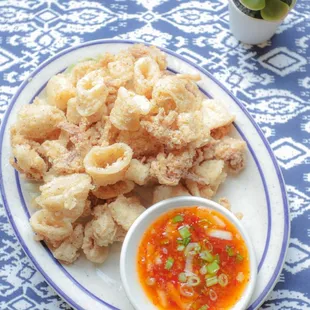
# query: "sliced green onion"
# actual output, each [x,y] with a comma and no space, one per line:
[182,277]
[193,281]
[230,251]
[204,307]
[203,270]
[180,248]
[169,263]
[212,281]
[213,267]
[217,258]
[184,232]
[165,241]
[223,280]
[239,257]
[186,241]
[177,219]
[206,255]
[180,241]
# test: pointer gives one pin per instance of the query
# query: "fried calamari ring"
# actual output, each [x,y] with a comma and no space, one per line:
[146,74]
[140,50]
[92,93]
[49,228]
[174,93]
[59,90]
[108,164]
[28,161]
[65,196]
[128,109]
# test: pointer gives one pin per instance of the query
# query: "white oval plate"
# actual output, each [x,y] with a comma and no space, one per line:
[258,192]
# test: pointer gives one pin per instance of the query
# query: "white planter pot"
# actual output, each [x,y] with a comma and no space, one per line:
[248,29]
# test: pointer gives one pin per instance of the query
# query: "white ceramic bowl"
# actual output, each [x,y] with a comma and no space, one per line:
[250,30]
[128,262]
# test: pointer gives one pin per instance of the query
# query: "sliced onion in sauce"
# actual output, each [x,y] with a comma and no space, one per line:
[203,270]
[218,221]
[223,279]
[162,296]
[189,264]
[212,295]
[158,260]
[191,248]
[193,280]
[150,281]
[208,245]
[220,234]
[186,291]
[189,306]
[240,277]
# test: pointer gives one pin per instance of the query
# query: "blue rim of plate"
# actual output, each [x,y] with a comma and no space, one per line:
[286,232]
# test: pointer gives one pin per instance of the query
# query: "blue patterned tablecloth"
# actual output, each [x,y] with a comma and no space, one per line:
[272,80]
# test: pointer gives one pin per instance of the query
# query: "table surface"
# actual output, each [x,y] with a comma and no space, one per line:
[272,80]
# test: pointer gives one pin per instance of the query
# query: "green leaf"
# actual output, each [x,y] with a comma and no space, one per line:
[274,10]
[254,5]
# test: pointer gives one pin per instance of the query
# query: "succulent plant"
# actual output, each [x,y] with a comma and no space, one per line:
[271,10]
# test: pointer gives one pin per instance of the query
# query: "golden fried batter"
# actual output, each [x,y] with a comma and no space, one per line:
[169,169]
[113,127]
[177,131]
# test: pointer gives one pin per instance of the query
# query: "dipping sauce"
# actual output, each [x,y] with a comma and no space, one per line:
[193,258]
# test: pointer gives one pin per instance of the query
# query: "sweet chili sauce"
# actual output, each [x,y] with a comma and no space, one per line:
[193,258]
